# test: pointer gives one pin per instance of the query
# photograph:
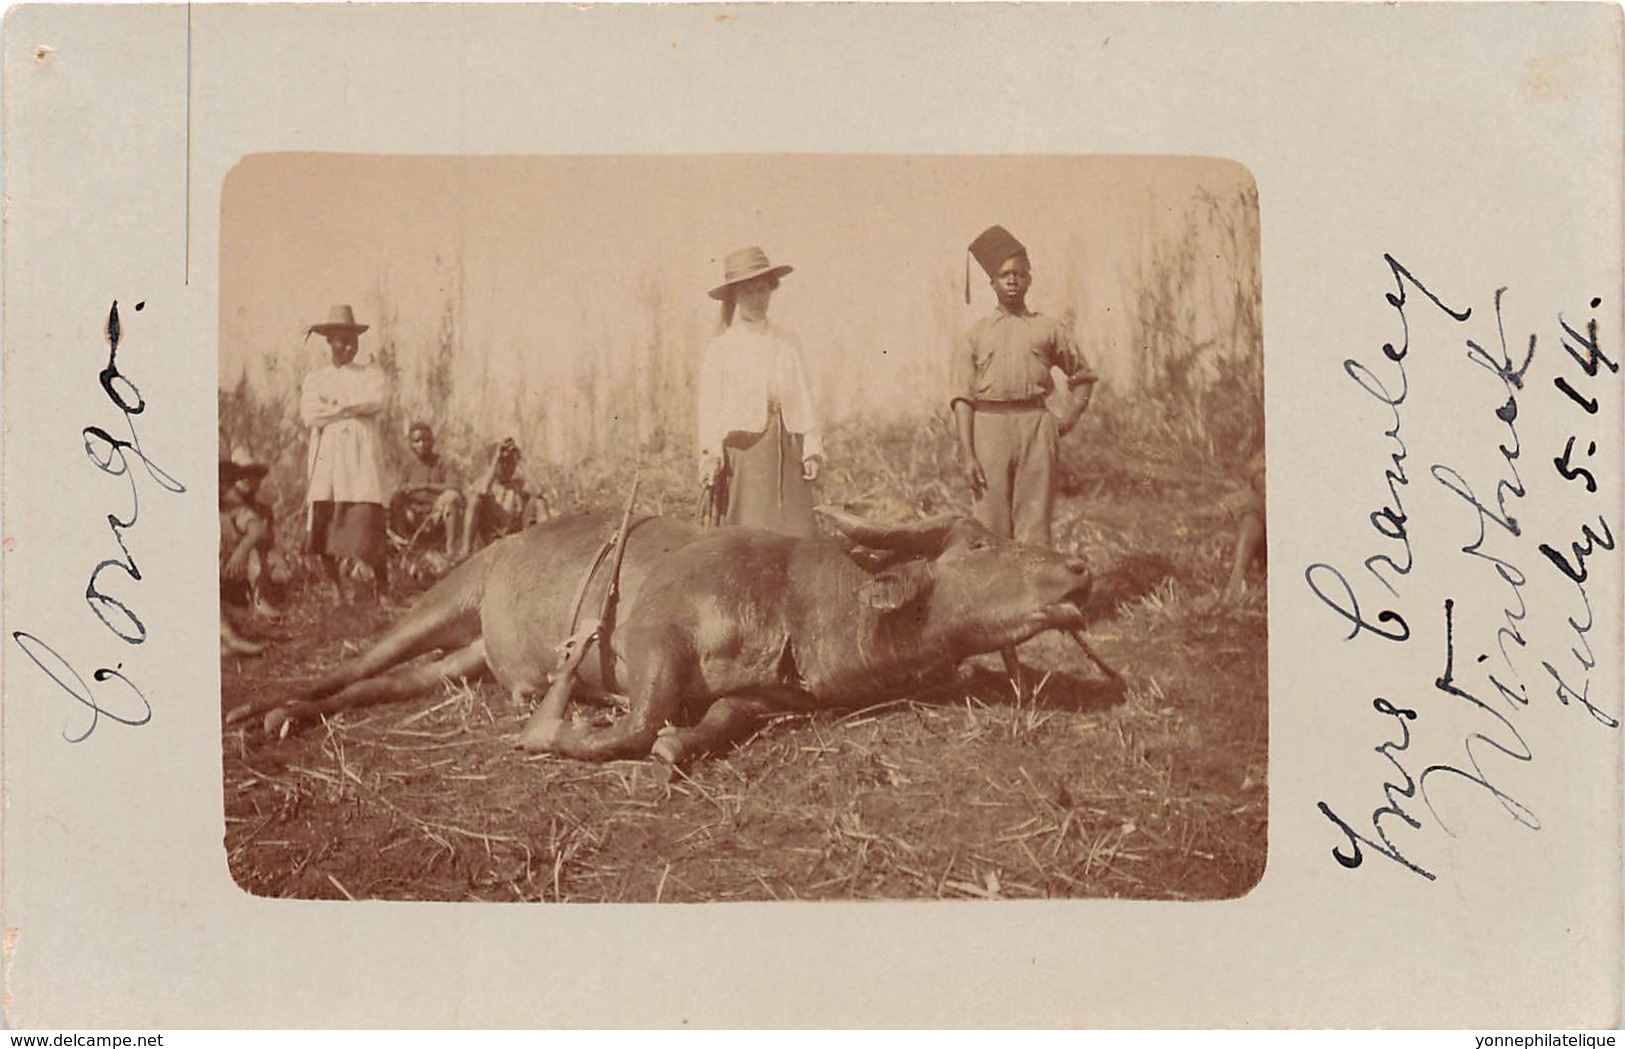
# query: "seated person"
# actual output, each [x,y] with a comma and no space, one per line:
[249,563]
[1246,508]
[499,504]
[427,503]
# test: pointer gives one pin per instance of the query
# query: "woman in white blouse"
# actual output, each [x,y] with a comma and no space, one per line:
[342,405]
[760,442]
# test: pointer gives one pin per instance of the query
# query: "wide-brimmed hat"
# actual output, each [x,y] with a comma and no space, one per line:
[746,264]
[340,321]
[243,463]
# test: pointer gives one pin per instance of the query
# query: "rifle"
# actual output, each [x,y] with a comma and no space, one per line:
[557,701]
[714,498]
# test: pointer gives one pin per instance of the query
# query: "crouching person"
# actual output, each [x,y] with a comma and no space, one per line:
[428,504]
[499,504]
[250,567]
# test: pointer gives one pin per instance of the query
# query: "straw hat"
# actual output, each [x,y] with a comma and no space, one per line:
[243,463]
[340,321]
[745,264]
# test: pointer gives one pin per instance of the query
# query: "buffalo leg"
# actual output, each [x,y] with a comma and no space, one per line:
[465,662]
[420,632]
[730,718]
[447,617]
[657,700]
[630,737]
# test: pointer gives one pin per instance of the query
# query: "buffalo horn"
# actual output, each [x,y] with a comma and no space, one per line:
[916,537]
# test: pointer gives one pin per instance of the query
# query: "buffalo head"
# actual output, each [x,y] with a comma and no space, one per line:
[967,589]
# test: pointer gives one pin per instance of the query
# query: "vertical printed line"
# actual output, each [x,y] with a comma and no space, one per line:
[187,220]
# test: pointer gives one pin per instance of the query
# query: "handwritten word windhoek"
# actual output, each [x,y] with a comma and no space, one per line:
[1476,757]
[111,456]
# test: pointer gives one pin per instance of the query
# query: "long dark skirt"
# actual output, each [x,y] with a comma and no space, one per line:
[348,530]
[765,486]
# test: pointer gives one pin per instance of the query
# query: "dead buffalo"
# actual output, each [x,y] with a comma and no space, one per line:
[717,628]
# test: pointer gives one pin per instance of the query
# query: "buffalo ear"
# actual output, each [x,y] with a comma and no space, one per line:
[897,586]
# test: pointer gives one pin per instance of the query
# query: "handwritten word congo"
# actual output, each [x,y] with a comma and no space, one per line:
[111,456]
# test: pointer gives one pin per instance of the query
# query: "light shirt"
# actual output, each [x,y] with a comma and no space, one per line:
[1007,356]
[743,372]
[346,461]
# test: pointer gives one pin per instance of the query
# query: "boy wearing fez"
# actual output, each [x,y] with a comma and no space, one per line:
[1009,443]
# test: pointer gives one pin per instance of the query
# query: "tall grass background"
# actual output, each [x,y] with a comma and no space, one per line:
[590,364]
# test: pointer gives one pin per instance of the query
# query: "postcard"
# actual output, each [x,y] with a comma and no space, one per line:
[924,515]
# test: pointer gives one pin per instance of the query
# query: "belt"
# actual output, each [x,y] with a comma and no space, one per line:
[1024,405]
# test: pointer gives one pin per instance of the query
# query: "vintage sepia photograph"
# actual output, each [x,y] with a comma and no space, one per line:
[1064,515]
[717,528]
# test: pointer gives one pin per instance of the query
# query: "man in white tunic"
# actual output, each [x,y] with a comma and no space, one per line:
[342,404]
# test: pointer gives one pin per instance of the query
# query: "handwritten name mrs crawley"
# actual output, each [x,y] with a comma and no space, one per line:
[1497,696]
[111,456]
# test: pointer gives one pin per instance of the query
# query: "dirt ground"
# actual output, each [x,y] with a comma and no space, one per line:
[1150,788]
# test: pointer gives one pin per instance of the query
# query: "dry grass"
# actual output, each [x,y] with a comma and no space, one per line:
[1150,789]
[1154,788]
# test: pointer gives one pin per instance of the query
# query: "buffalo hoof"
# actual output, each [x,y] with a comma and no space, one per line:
[278,722]
[541,735]
[668,747]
